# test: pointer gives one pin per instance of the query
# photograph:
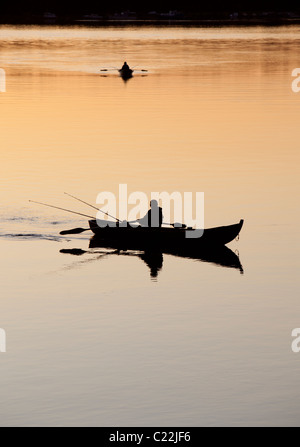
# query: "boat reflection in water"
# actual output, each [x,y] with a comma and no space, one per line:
[153,257]
[126,74]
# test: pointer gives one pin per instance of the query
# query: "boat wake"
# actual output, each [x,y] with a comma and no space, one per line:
[26,236]
[26,227]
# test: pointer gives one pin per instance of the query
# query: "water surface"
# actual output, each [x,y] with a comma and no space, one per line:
[94,339]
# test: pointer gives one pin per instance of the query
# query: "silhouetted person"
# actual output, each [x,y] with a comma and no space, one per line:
[125,67]
[154,217]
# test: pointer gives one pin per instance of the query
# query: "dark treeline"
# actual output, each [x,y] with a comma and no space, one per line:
[194,8]
[59,6]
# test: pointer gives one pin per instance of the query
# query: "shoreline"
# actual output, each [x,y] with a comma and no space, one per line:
[278,21]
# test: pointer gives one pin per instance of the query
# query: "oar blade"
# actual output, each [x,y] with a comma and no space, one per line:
[74,231]
[73,251]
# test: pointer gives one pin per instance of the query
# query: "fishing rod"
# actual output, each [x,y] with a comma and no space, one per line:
[81,230]
[63,209]
[92,206]
[74,230]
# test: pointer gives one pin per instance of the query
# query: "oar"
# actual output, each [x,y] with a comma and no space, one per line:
[175,225]
[139,69]
[79,252]
[74,231]
[92,206]
[81,230]
[73,251]
[107,69]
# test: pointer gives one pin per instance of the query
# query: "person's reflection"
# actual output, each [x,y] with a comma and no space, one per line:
[154,260]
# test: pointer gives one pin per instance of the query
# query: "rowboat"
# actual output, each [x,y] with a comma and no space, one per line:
[165,238]
[126,73]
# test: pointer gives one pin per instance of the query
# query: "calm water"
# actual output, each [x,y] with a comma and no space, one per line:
[93,339]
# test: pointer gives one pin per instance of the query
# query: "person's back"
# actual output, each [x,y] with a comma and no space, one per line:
[125,66]
[154,217]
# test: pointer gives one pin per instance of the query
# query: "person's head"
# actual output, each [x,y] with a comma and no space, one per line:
[153,204]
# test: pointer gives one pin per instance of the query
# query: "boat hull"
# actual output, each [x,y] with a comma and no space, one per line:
[126,74]
[164,238]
